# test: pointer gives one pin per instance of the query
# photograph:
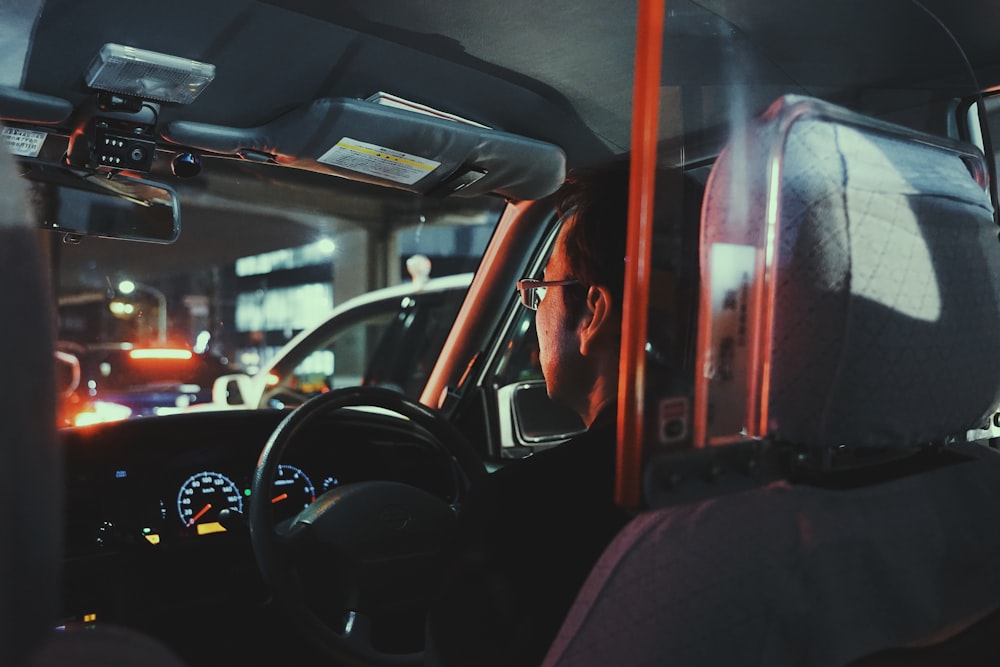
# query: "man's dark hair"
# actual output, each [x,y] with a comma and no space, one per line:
[597,202]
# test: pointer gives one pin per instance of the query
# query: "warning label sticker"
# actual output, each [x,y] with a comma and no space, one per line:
[378,161]
[26,143]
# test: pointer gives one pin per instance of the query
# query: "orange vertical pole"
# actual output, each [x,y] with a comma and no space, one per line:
[645,133]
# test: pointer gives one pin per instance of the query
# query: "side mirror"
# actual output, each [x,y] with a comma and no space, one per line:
[529,418]
[117,206]
[231,390]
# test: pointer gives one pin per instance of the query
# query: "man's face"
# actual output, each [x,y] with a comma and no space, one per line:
[558,335]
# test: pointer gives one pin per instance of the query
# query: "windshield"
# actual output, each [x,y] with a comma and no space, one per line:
[245,278]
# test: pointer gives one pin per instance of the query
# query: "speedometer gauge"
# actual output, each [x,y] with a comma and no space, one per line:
[204,495]
[293,491]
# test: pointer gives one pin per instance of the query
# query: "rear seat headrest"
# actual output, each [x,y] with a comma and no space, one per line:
[872,277]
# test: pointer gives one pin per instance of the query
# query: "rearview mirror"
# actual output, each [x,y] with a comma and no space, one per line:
[115,206]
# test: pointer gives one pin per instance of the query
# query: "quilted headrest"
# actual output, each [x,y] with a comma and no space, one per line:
[851,273]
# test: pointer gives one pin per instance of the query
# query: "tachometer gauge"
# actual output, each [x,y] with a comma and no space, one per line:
[293,491]
[204,495]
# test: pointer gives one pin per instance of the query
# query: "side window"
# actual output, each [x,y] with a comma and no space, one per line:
[520,359]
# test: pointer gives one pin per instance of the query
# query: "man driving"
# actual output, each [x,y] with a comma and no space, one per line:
[538,524]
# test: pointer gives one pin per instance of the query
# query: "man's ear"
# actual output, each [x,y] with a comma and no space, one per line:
[598,321]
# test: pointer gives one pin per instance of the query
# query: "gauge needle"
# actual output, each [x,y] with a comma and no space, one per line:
[200,514]
[278,499]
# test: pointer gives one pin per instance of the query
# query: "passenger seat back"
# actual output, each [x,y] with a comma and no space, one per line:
[847,344]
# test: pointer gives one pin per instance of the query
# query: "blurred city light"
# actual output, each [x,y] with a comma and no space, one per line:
[128,287]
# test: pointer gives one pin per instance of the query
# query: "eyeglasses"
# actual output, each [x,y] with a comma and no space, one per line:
[533,291]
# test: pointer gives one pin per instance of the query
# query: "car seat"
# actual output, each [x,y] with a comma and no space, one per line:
[30,519]
[834,509]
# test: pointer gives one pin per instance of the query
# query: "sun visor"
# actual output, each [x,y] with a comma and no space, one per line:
[369,142]
[23,106]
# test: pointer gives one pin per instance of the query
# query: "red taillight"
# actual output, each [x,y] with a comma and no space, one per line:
[161,353]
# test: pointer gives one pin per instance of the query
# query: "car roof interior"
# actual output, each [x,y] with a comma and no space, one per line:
[566,97]
[541,89]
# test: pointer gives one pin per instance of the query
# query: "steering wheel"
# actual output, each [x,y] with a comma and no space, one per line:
[360,564]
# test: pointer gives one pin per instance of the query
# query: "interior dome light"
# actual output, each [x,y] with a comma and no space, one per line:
[148,75]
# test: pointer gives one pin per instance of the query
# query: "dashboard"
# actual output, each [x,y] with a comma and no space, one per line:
[147,543]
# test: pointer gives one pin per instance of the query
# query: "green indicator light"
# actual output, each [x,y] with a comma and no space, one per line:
[246,492]
[146,531]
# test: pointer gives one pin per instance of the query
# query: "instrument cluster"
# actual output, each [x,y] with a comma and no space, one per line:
[171,482]
[203,496]
[135,510]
